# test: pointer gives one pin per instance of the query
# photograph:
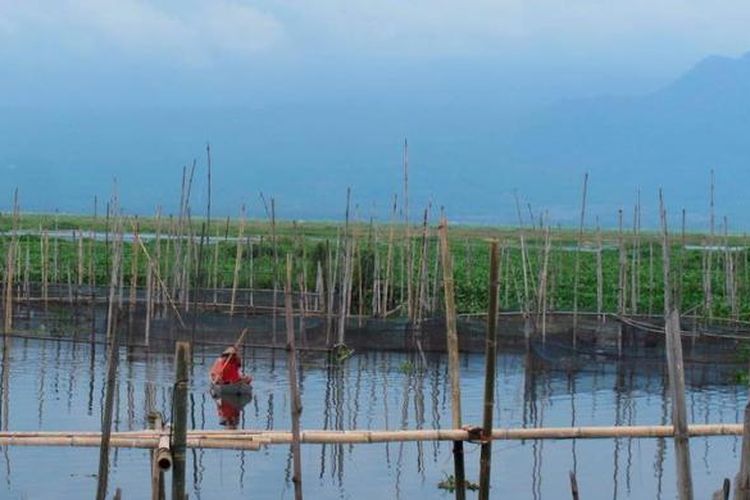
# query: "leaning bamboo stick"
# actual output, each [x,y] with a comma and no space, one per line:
[112,361]
[237,261]
[296,406]
[579,242]
[453,361]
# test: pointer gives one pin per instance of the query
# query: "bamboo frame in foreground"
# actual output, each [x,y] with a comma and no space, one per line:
[254,439]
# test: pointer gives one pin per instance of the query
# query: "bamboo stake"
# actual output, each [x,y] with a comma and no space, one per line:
[296,406]
[112,361]
[709,255]
[599,274]
[134,267]
[163,285]
[453,361]
[577,271]
[389,260]
[149,302]
[157,474]
[422,290]
[237,261]
[634,265]
[651,277]
[179,424]
[10,269]
[742,482]
[408,253]
[543,285]
[676,375]
[45,267]
[489,378]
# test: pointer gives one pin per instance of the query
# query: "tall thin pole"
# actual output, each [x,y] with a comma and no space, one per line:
[296,406]
[179,418]
[576,278]
[489,377]
[453,361]
[676,373]
[112,360]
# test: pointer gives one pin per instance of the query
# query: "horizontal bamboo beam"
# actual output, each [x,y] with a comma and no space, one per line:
[254,439]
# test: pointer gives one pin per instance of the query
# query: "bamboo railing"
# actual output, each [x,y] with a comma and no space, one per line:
[254,439]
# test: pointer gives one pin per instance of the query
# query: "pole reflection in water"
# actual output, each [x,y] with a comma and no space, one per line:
[55,390]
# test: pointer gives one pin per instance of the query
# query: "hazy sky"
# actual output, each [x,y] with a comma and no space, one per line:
[303,99]
[243,52]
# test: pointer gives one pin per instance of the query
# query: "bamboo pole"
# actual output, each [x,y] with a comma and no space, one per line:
[249,439]
[709,255]
[742,482]
[157,474]
[407,238]
[453,361]
[179,424]
[579,241]
[296,406]
[599,274]
[675,367]
[134,249]
[237,261]
[543,282]
[112,361]
[45,267]
[10,269]
[489,377]
[423,270]
[149,302]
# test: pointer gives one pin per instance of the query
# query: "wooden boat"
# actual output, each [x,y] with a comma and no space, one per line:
[235,389]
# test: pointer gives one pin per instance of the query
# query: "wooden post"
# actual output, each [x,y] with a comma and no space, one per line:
[296,405]
[179,418]
[742,483]
[676,373]
[453,361]
[489,378]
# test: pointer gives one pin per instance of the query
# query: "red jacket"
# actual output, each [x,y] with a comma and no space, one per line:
[226,371]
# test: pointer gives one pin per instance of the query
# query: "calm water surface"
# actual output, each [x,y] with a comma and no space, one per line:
[59,386]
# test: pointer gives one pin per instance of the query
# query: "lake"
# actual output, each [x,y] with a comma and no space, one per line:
[59,385]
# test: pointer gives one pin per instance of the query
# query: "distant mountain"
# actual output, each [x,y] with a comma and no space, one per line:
[469,152]
[669,138]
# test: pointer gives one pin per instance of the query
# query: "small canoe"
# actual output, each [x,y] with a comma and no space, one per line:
[237,389]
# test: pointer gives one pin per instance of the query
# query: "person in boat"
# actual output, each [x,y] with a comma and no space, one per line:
[226,369]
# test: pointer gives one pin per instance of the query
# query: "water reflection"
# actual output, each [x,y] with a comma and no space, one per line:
[229,408]
[62,389]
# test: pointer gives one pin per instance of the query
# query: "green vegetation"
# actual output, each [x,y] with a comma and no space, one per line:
[316,246]
[449,483]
